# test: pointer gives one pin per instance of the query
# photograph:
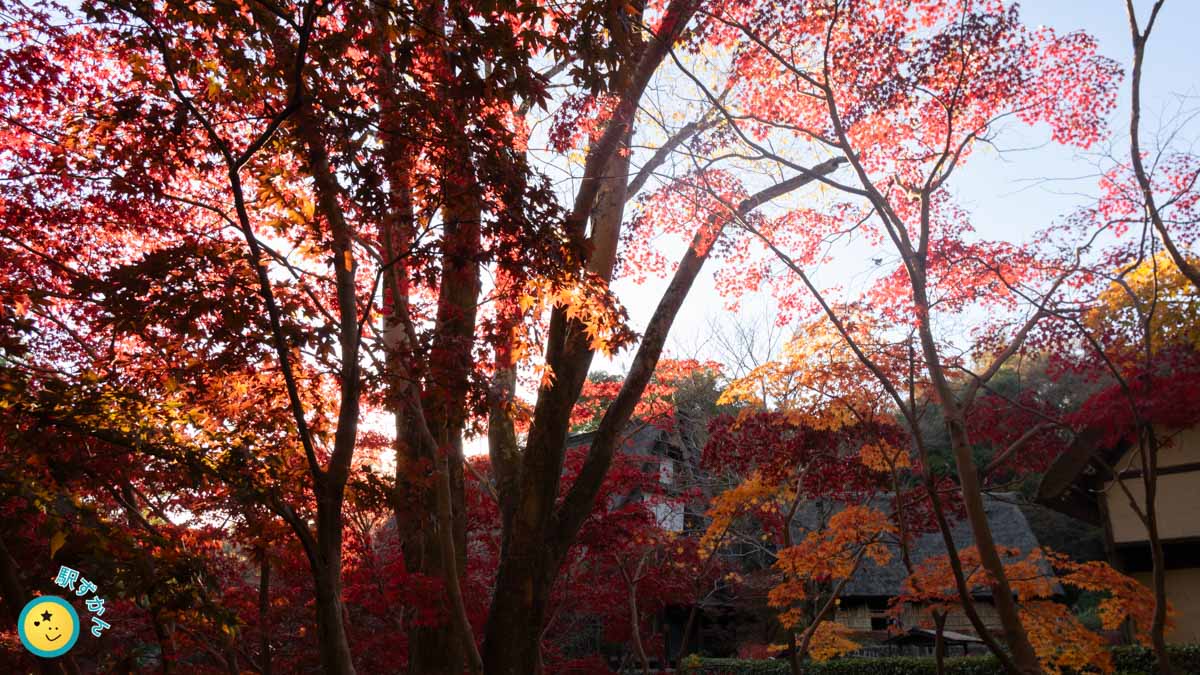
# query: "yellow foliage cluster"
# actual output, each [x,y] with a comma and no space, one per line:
[1158,284]
[587,300]
[1126,598]
[831,639]
[734,502]
[1061,641]
[883,457]
[829,555]
[817,378]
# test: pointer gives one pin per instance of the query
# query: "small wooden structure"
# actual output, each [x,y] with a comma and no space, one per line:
[921,642]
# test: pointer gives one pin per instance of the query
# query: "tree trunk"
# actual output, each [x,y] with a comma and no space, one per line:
[635,627]
[443,649]
[512,646]
[1149,452]
[968,479]
[687,632]
[793,653]
[264,614]
[15,598]
[331,629]
[1002,595]
[956,568]
[10,583]
[939,642]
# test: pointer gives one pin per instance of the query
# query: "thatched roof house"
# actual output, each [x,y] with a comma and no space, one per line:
[1009,528]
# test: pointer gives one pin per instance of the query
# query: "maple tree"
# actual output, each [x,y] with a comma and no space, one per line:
[1063,644]
[786,459]
[1158,193]
[1131,332]
[927,84]
[268,265]
[337,213]
[1130,335]
[830,556]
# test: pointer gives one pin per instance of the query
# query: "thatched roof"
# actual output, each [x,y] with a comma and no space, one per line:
[1008,524]
[639,439]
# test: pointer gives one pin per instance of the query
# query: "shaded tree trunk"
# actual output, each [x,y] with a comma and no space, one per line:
[336,658]
[939,642]
[1149,447]
[264,614]
[15,598]
[635,625]
[968,476]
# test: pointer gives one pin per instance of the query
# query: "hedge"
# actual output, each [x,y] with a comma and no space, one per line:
[1128,661]
[893,665]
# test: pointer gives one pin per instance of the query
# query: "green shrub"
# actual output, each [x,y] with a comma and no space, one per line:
[1128,661]
[895,665]
[1184,659]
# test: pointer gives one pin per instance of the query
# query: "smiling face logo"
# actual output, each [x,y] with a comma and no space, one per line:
[48,626]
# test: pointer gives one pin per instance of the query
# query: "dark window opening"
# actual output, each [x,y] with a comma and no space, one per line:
[1179,554]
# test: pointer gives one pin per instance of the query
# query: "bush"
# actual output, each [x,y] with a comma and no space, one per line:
[896,665]
[1128,661]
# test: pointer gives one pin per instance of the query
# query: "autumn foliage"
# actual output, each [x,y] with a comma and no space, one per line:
[306,308]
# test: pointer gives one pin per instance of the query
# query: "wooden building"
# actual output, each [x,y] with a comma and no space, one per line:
[1102,485]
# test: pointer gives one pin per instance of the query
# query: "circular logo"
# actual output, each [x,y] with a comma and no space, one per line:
[48,626]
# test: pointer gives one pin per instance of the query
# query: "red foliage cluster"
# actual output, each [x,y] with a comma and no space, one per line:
[770,444]
[1165,393]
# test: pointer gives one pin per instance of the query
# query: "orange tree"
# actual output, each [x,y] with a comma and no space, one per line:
[1062,643]
[782,465]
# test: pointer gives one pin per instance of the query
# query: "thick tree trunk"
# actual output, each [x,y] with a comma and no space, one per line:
[443,649]
[527,566]
[334,644]
[512,646]
[539,537]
